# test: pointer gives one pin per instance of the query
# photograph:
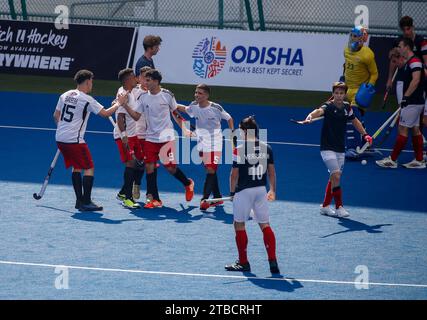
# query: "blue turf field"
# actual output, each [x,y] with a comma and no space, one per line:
[178,253]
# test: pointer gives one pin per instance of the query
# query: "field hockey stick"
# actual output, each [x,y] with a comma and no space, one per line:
[217,199]
[366,145]
[46,180]
[305,121]
[388,90]
[138,162]
[389,129]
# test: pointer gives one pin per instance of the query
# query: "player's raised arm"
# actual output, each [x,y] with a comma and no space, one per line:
[105,113]
[317,113]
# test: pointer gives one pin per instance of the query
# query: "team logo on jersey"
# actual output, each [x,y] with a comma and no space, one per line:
[209,57]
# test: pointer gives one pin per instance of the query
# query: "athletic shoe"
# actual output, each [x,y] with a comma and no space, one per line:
[274,268]
[130,204]
[327,211]
[90,207]
[189,191]
[237,266]
[387,163]
[121,196]
[136,194]
[153,204]
[216,203]
[204,205]
[342,213]
[414,164]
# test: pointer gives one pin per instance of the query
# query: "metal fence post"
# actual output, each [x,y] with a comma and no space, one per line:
[12,10]
[249,15]
[221,14]
[261,15]
[24,9]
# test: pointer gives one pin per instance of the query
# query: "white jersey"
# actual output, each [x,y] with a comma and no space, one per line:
[130,123]
[157,109]
[75,107]
[141,124]
[208,125]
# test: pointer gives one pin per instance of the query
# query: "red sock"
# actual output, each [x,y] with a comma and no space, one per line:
[417,143]
[398,146]
[337,193]
[270,243]
[242,244]
[328,194]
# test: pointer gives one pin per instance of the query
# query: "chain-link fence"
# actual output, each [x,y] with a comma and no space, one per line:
[277,15]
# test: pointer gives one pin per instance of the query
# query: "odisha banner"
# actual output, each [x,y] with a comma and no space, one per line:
[279,60]
[39,48]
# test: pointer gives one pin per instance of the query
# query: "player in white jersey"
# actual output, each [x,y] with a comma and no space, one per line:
[126,138]
[71,115]
[141,128]
[209,138]
[157,105]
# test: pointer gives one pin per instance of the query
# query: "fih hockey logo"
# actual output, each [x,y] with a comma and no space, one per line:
[208,58]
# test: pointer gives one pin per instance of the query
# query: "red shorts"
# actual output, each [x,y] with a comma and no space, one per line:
[165,152]
[211,159]
[76,155]
[134,147]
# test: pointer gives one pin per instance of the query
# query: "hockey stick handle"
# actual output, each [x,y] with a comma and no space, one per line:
[46,179]
[388,89]
[217,199]
[380,129]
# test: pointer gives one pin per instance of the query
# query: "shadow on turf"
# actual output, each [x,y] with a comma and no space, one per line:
[167,213]
[353,225]
[90,216]
[275,282]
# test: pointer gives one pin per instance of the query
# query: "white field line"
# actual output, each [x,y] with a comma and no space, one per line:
[110,132]
[208,275]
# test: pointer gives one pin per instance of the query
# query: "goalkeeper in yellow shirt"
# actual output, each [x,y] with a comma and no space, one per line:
[359,68]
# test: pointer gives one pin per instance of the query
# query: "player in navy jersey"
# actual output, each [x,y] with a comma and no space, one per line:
[406,24]
[209,138]
[332,145]
[71,116]
[252,162]
[410,92]
[151,45]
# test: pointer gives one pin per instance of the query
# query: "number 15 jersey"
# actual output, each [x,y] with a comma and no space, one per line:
[75,107]
[252,159]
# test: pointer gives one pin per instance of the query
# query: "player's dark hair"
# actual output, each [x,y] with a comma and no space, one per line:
[204,87]
[151,41]
[406,21]
[83,75]
[340,85]
[154,74]
[408,43]
[394,53]
[144,69]
[249,123]
[124,74]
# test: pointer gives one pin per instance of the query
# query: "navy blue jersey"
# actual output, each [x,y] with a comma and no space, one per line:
[143,62]
[252,159]
[420,45]
[405,75]
[334,126]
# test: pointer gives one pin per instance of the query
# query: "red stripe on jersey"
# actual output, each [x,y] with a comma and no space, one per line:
[414,63]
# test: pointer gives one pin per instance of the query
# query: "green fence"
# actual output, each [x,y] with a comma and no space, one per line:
[272,15]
